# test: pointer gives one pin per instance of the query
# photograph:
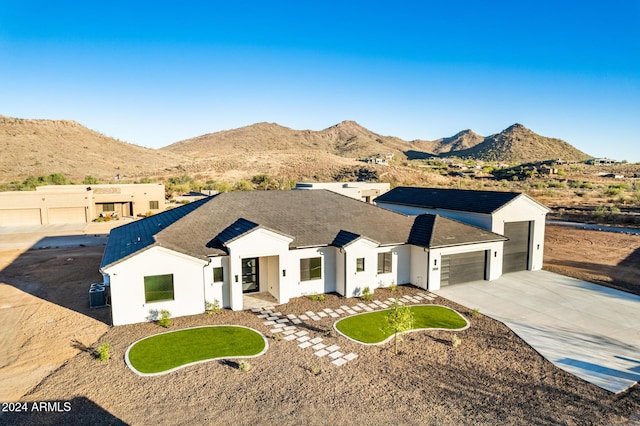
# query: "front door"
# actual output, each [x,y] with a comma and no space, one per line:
[250,275]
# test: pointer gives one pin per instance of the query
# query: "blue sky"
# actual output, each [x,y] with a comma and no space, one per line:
[153,73]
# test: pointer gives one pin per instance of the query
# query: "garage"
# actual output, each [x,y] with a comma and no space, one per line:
[20,217]
[516,249]
[62,215]
[463,267]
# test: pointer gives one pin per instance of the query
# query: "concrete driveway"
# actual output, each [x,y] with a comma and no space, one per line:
[585,329]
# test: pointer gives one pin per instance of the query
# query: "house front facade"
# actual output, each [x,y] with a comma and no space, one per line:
[284,243]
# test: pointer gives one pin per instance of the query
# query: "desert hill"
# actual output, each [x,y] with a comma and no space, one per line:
[42,147]
[346,139]
[517,144]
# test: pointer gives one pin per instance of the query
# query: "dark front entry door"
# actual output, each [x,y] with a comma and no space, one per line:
[250,275]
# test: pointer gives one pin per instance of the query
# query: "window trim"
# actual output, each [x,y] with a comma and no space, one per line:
[148,283]
[381,265]
[308,271]
[221,270]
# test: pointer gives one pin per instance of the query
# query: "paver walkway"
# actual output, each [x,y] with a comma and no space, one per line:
[287,326]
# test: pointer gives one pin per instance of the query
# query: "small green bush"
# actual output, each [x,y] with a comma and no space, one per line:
[102,354]
[317,297]
[244,366]
[367,296]
[212,308]
[393,286]
[474,313]
[165,319]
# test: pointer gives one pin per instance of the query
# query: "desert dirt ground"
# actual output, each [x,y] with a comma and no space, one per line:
[493,377]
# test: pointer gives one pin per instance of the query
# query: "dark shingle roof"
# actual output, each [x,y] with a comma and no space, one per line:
[436,231]
[450,199]
[310,218]
[131,238]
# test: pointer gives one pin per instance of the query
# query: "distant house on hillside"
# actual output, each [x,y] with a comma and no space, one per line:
[600,161]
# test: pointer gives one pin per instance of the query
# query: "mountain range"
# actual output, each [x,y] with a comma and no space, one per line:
[41,147]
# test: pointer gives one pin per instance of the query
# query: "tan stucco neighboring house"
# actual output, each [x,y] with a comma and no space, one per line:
[61,204]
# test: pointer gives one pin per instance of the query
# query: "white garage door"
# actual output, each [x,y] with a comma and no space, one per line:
[20,217]
[67,215]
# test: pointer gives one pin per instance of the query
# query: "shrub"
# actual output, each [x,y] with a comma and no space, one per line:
[393,286]
[244,366]
[455,341]
[212,308]
[367,296]
[315,370]
[165,319]
[317,297]
[102,354]
[474,313]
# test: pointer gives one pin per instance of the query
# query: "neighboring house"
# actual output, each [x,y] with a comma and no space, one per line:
[601,161]
[516,216]
[363,191]
[285,243]
[62,204]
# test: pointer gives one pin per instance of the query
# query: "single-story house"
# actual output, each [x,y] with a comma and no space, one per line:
[363,191]
[517,216]
[287,244]
[62,204]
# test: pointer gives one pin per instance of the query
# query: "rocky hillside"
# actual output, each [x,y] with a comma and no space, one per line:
[517,144]
[346,139]
[42,147]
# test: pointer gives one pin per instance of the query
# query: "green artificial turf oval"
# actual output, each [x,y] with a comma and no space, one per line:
[371,327]
[166,352]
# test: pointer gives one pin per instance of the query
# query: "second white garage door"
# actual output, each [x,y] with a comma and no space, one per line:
[63,215]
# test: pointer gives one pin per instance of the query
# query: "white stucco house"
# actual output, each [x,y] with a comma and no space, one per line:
[287,244]
[517,216]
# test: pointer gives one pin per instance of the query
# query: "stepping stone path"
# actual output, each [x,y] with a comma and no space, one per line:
[286,325]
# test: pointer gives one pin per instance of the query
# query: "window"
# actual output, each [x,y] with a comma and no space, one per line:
[384,263]
[158,288]
[108,207]
[217,275]
[154,205]
[360,264]
[310,269]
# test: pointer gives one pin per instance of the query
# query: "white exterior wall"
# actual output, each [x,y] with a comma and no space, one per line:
[217,290]
[357,281]
[476,219]
[419,266]
[326,284]
[128,303]
[524,209]
[494,263]
[400,266]
[258,243]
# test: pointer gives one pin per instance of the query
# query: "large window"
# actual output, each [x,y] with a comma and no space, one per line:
[310,269]
[360,264]
[217,275]
[384,263]
[158,288]
[154,205]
